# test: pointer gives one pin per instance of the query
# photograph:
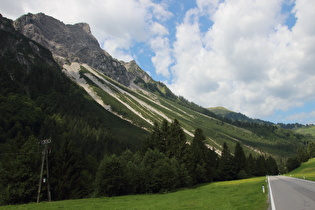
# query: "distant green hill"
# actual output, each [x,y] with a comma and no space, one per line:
[308,129]
[234,116]
[220,110]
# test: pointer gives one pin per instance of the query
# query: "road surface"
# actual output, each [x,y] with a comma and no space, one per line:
[288,193]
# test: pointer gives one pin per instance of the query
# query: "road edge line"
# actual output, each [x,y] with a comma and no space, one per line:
[272,202]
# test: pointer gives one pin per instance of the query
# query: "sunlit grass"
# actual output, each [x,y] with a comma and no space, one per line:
[305,171]
[239,194]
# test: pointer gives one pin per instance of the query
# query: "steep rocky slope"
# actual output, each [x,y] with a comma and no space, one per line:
[75,43]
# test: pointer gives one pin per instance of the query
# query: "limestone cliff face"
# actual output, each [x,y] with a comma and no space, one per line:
[20,50]
[75,43]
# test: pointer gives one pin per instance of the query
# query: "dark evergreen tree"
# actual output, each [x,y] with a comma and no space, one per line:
[292,163]
[239,158]
[154,140]
[70,175]
[227,165]
[203,160]
[164,138]
[311,149]
[251,165]
[261,166]
[272,167]
[177,141]
[302,155]
[19,171]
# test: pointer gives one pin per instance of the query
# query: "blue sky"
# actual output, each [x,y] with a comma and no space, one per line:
[250,56]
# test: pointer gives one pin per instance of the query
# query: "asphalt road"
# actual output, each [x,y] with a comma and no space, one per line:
[287,193]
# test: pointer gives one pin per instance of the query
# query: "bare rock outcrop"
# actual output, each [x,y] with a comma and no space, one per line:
[75,43]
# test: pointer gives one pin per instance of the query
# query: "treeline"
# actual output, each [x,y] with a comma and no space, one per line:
[168,162]
[290,125]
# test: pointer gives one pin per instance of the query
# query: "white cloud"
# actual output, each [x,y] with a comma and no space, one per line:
[248,60]
[162,58]
[303,117]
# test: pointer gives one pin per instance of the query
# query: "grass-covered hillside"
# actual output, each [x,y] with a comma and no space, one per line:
[143,108]
[306,130]
[305,171]
[240,194]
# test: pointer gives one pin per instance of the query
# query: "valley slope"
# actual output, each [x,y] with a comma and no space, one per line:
[125,90]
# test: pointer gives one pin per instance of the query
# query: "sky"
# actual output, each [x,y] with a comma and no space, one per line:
[256,57]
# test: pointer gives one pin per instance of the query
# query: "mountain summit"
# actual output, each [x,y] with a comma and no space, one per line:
[75,43]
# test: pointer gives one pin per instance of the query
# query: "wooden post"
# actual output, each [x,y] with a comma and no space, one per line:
[47,169]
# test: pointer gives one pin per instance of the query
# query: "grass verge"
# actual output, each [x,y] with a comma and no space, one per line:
[239,194]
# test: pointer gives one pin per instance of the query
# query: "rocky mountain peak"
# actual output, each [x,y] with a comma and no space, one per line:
[75,43]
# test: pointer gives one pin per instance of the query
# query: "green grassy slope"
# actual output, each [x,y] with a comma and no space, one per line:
[143,108]
[220,110]
[306,170]
[240,194]
[306,130]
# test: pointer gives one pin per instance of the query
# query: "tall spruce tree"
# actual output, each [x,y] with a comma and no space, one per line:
[250,165]
[154,140]
[19,171]
[227,165]
[239,158]
[272,167]
[164,138]
[177,141]
[70,177]
[311,149]
[198,159]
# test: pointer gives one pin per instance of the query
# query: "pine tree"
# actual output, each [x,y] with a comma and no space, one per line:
[261,166]
[198,160]
[227,165]
[177,141]
[250,165]
[19,172]
[154,140]
[239,158]
[272,167]
[164,138]
[311,149]
[70,177]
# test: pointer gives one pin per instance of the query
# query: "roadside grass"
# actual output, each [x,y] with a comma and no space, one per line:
[306,170]
[239,194]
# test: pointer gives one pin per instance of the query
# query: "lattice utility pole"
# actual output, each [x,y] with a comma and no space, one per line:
[45,152]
